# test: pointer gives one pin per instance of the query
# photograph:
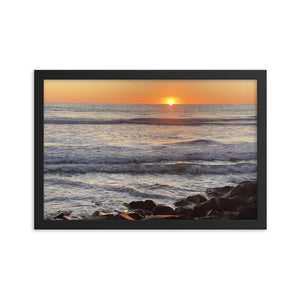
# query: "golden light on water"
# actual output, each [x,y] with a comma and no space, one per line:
[170,102]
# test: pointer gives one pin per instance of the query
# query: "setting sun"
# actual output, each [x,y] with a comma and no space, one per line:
[170,102]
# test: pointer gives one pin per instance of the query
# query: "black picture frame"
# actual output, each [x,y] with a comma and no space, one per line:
[41,75]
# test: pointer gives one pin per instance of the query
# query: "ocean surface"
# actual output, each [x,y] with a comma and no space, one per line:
[100,156]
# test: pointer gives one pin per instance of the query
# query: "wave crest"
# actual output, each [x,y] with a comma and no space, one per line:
[231,157]
[156,121]
[176,168]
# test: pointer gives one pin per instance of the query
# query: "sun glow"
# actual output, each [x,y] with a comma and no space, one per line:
[170,102]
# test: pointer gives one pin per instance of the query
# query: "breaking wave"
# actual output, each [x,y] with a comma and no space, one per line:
[175,168]
[231,157]
[156,121]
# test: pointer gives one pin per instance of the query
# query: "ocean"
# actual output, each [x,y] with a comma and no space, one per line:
[100,156]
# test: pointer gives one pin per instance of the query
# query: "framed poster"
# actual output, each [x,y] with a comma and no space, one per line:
[150,149]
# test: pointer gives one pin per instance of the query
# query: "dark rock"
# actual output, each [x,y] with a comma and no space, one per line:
[140,211]
[247,213]
[219,191]
[202,209]
[183,211]
[60,214]
[136,215]
[145,205]
[252,201]
[181,203]
[102,216]
[98,218]
[247,189]
[214,214]
[233,203]
[74,218]
[197,199]
[125,217]
[163,210]
[167,217]
[98,213]
[136,205]
[150,204]
[214,203]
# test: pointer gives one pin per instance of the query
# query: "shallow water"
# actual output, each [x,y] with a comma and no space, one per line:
[98,156]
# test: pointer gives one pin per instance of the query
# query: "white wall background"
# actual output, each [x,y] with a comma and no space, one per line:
[149,35]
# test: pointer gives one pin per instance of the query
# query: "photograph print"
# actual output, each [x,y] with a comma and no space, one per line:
[149,153]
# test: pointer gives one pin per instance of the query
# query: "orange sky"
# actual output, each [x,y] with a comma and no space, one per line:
[151,91]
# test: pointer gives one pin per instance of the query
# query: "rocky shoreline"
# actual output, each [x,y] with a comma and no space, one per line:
[225,203]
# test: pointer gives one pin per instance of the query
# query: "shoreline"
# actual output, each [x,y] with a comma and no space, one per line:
[224,203]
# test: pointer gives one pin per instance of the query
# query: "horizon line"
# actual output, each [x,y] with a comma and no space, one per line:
[152,103]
